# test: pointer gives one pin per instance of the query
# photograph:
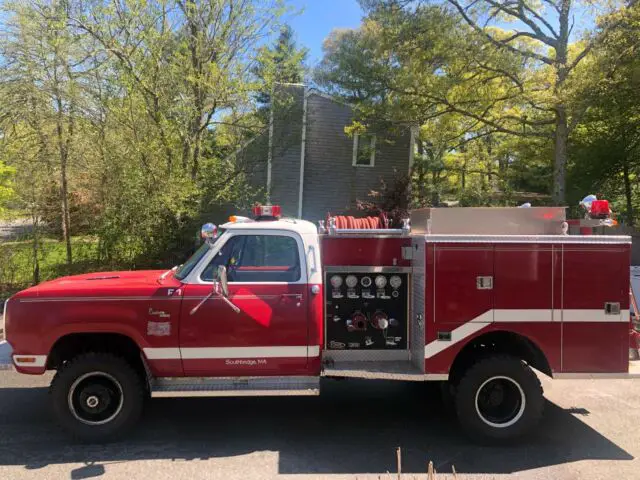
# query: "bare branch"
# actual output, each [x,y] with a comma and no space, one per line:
[519,14]
[498,43]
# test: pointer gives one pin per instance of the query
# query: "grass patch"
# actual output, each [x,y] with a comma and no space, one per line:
[17,261]
[8,215]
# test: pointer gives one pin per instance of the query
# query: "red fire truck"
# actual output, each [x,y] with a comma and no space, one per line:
[476,298]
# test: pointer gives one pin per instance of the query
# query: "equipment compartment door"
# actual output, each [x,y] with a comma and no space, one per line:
[462,277]
[459,299]
[268,283]
[595,315]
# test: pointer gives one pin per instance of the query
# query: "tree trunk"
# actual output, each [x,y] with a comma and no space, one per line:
[64,186]
[561,134]
[560,155]
[195,128]
[628,192]
[64,195]
[35,246]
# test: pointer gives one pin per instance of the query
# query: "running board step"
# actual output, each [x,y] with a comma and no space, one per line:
[234,387]
[381,370]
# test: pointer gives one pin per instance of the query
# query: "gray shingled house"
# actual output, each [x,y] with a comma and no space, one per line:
[309,166]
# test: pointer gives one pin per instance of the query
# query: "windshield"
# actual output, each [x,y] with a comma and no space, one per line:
[184,269]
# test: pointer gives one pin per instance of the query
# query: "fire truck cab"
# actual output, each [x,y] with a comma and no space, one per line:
[476,298]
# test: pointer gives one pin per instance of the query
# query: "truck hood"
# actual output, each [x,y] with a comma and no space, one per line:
[125,283]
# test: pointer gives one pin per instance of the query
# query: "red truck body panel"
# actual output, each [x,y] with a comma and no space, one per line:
[113,302]
[362,250]
[270,317]
[555,294]
[552,294]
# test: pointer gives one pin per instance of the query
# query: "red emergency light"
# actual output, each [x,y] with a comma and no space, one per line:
[600,209]
[265,212]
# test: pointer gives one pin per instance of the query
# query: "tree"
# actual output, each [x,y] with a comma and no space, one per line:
[282,62]
[606,157]
[124,105]
[43,71]
[547,27]
[425,67]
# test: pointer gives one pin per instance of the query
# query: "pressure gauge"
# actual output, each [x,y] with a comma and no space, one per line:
[351,281]
[365,282]
[336,281]
[395,281]
[381,281]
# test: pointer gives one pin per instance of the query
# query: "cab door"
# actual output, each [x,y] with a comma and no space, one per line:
[267,279]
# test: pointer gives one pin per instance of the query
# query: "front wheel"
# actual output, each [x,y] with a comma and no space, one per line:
[97,396]
[499,399]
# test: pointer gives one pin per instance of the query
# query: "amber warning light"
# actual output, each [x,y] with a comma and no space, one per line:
[266,211]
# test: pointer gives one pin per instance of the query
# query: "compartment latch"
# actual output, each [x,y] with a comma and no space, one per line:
[612,308]
[484,283]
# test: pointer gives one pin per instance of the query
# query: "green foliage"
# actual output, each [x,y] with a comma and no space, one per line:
[606,155]
[17,262]
[496,91]
[425,67]
[282,62]
[120,118]
[6,186]
[136,110]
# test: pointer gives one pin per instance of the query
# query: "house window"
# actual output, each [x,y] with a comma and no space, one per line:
[364,150]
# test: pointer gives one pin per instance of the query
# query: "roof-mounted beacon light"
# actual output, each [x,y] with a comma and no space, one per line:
[239,219]
[267,212]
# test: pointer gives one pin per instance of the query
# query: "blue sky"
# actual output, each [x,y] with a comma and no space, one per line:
[318,18]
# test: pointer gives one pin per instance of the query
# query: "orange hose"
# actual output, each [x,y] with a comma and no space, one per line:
[364,223]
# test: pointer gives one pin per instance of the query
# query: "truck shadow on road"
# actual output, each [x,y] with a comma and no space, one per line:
[354,427]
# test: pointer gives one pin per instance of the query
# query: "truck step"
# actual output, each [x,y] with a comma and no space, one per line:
[234,387]
[383,370]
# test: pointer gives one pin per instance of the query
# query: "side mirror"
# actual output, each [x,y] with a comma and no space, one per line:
[222,280]
[209,232]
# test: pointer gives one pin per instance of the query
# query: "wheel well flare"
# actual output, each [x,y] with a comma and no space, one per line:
[75,344]
[499,342]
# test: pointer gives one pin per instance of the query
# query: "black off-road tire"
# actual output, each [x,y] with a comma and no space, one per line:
[523,383]
[115,371]
[448,397]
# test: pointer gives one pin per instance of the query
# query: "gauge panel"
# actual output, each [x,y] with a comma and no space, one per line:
[374,297]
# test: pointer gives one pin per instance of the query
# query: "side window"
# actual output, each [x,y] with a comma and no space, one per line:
[257,258]
[225,256]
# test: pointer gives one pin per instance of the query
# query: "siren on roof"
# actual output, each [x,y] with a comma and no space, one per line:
[267,212]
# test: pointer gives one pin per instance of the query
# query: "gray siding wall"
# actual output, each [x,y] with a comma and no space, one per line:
[331,183]
[253,160]
[287,140]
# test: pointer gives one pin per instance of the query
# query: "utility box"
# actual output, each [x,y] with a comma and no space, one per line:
[488,221]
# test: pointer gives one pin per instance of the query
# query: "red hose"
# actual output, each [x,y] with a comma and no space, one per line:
[365,223]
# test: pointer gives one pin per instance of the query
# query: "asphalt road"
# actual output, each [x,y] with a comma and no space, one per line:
[351,431]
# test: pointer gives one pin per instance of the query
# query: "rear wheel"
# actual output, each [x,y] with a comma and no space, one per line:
[97,396]
[499,399]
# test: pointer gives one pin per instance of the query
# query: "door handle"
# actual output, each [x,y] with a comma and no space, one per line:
[296,296]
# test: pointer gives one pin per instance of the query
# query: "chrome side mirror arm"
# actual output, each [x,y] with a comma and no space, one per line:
[220,287]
